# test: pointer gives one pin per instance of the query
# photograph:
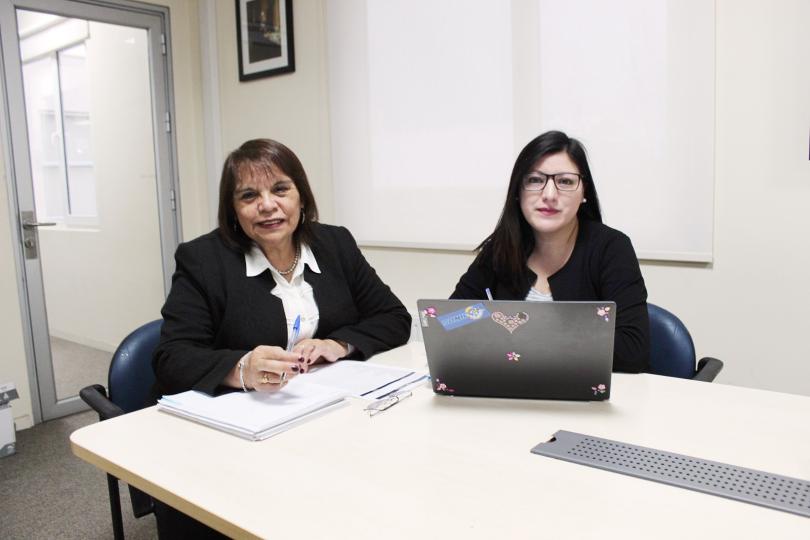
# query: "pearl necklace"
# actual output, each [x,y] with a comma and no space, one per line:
[292,267]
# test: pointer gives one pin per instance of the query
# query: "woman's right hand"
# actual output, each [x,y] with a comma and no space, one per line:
[267,368]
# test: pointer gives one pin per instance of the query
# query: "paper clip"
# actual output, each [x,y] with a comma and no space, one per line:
[381,405]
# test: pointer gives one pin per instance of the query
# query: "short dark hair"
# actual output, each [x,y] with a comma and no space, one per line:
[512,241]
[262,156]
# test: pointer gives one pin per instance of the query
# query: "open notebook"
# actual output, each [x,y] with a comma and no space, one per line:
[257,416]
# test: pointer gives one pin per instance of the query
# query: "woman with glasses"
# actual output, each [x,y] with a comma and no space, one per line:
[550,244]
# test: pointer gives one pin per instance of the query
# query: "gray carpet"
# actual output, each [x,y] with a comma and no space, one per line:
[47,492]
[75,366]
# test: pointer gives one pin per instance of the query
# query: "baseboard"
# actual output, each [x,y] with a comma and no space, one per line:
[84,340]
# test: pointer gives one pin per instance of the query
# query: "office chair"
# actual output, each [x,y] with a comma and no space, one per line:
[672,352]
[130,379]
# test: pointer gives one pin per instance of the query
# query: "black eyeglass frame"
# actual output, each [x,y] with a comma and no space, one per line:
[553,178]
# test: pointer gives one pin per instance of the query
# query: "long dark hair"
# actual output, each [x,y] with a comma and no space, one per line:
[512,241]
[262,156]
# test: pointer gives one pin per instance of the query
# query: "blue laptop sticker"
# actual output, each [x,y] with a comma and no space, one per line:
[463,317]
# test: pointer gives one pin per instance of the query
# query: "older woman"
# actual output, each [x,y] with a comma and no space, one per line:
[269,274]
[238,290]
[550,244]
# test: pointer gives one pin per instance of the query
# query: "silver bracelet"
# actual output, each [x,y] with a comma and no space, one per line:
[242,374]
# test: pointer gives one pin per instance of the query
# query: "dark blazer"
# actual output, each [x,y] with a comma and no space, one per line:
[603,266]
[214,313]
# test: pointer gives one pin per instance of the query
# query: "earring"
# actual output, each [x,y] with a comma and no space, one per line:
[584,199]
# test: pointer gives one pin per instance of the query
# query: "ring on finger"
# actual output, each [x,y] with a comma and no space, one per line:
[265,380]
[283,377]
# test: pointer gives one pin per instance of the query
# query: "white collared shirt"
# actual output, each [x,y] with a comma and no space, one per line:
[537,296]
[297,296]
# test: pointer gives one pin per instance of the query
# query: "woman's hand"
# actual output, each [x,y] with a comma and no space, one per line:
[267,369]
[317,350]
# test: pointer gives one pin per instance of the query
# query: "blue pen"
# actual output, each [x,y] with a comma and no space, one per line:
[296,329]
[489,293]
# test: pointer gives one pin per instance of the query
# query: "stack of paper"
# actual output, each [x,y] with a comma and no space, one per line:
[255,415]
[259,415]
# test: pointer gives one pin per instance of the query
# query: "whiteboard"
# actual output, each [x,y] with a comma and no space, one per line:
[430,103]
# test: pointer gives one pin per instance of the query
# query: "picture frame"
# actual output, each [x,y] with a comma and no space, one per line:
[264,33]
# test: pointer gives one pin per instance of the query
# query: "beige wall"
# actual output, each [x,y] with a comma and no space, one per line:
[290,108]
[12,354]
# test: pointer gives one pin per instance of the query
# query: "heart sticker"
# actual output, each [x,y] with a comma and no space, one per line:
[510,322]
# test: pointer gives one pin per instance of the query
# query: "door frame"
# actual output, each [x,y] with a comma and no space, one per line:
[44,402]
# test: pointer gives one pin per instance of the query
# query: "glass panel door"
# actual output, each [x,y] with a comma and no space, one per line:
[92,180]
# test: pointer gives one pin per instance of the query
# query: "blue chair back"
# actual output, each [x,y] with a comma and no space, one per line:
[672,351]
[131,376]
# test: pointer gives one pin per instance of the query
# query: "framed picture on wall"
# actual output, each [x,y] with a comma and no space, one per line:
[264,30]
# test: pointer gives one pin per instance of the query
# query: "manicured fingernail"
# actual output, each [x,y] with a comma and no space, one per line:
[300,358]
[295,369]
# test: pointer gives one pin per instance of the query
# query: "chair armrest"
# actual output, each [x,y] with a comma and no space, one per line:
[95,395]
[707,370]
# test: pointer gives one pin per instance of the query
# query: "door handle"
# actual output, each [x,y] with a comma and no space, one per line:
[29,232]
[35,224]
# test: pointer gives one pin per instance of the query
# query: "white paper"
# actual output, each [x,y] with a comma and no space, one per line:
[358,378]
[252,412]
[412,381]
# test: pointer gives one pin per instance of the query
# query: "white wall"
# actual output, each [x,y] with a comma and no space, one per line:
[749,307]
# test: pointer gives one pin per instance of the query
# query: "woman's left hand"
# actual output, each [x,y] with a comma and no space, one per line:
[317,350]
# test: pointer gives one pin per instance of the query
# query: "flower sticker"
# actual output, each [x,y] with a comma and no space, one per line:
[604,312]
[513,356]
[442,387]
[599,389]
[430,312]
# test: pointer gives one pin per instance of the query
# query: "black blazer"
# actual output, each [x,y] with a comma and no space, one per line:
[214,313]
[603,266]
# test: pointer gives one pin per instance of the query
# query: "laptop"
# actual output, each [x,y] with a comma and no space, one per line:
[519,349]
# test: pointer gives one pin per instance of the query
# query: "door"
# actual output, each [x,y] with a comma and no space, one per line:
[91,159]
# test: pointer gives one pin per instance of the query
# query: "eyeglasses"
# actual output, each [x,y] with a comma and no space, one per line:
[384,404]
[563,181]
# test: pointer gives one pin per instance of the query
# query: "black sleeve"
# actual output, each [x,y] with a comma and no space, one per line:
[474,283]
[621,281]
[185,358]
[384,322]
